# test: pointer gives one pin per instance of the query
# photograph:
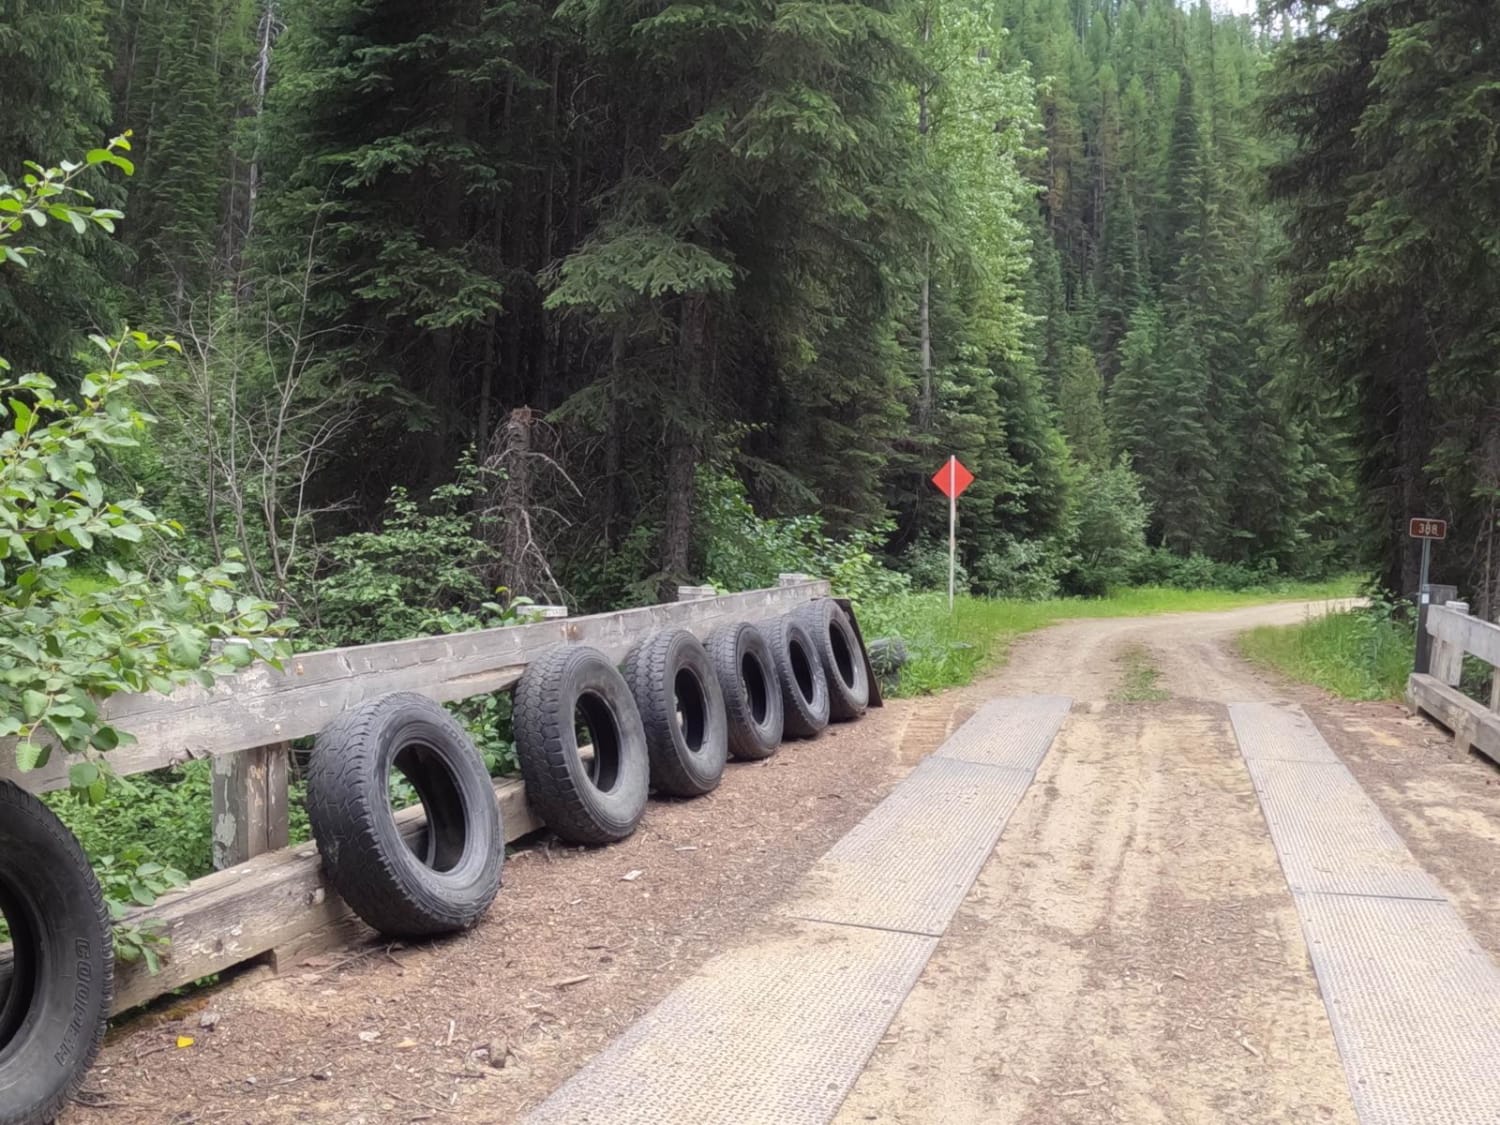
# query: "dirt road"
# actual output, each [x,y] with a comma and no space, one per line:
[1130,951]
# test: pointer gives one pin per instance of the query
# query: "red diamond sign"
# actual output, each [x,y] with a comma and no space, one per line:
[952,478]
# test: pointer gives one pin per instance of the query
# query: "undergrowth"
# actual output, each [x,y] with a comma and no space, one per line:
[1362,654]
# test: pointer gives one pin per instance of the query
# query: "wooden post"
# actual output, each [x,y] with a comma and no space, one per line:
[695,593]
[249,803]
[1447,657]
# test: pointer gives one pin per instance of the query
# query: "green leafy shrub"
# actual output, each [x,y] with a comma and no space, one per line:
[421,572]
[1106,530]
[1161,567]
[1026,569]
[742,550]
[925,564]
[166,812]
[132,880]
[64,645]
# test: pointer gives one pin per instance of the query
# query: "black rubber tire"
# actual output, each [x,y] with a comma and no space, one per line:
[54,1009]
[839,651]
[804,687]
[595,803]
[752,695]
[441,881]
[682,712]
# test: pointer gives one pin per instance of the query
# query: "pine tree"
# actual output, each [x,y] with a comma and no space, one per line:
[53,61]
[382,148]
[1121,284]
[1393,269]
[181,74]
[1080,409]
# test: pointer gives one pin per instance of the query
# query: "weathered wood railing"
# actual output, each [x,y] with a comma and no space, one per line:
[1456,634]
[271,901]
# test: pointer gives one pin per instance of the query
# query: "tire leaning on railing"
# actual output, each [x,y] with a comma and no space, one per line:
[799,672]
[56,984]
[840,654]
[682,712]
[752,694]
[595,801]
[446,877]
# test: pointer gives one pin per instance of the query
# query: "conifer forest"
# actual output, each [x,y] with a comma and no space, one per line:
[580,299]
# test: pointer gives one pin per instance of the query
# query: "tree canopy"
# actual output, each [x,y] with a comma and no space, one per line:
[577,260]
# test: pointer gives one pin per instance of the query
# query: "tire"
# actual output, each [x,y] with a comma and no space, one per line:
[804,688]
[598,802]
[752,695]
[840,654]
[54,1001]
[682,712]
[439,881]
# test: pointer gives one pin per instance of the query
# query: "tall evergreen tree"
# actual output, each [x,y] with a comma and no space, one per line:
[53,66]
[1391,193]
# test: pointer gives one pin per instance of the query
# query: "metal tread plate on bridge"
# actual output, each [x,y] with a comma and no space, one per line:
[1415,1008]
[1413,1002]
[1010,732]
[910,862]
[1270,733]
[774,1033]
[1330,837]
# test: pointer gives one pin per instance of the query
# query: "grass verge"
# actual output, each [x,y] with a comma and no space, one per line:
[1357,655]
[946,650]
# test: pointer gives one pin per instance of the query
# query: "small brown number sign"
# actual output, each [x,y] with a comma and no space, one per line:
[1424,528]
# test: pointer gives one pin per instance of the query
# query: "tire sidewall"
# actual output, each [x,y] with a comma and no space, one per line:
[478,871]
[705,765]
[729,647]
[802,718]
[48,879]
[620,808]
[349,805]
[822,619]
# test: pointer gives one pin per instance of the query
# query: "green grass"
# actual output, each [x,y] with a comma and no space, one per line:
[1138,678]
[1356,655]
[948,650]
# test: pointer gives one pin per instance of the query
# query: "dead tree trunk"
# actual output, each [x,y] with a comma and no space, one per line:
[682,452]
[514,453]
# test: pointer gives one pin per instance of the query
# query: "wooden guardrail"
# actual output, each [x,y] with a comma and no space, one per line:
[271,901]
[1456,634]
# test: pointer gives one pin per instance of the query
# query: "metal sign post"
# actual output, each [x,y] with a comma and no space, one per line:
[951,480]
[1426,530]
[952,530]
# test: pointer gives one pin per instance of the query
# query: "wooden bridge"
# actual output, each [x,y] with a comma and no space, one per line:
[1455,634]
